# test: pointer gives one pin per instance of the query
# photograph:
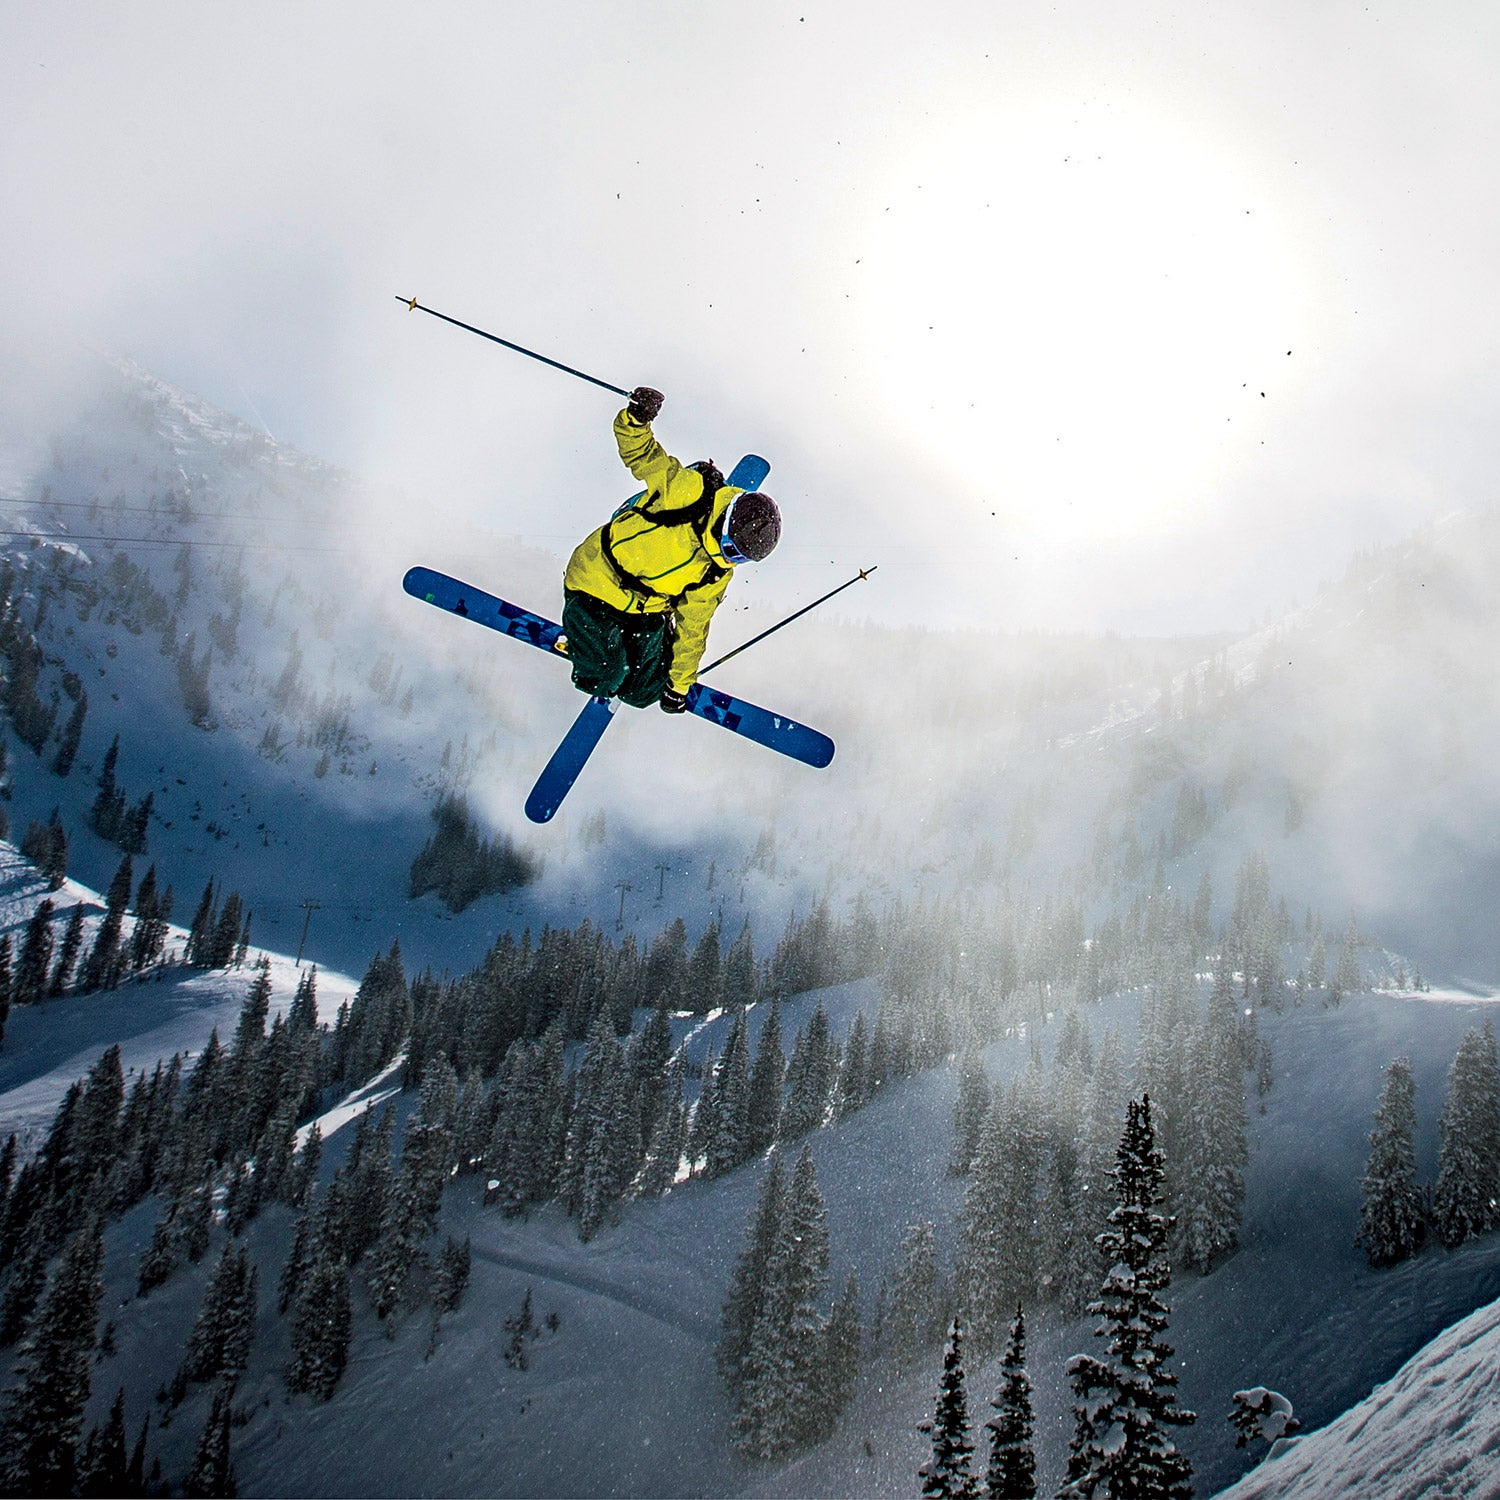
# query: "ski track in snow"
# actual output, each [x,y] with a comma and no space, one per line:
[662,1309]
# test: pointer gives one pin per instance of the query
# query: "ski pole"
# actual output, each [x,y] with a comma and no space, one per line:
[858,578]
[414,306]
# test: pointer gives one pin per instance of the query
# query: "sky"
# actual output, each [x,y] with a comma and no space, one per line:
[1066,316]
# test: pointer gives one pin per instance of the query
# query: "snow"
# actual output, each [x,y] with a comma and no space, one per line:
[1432,1430]
[175,1009]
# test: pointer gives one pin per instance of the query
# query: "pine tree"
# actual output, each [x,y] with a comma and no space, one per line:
[783,1370]
[947,1474]
[451,1279]
[67,952]
[200,930]
[211,1472]
[106,1471]
[740,978]
[912,1312]
[1211,1184]
[219,1345]
[43,1415]
[1122,1403]
[415,1195]
[704,971]
[730,1145]
[747,1289]
[322,1321]
[766,1080]
[109,805]
[159,1259]
[854,1067]
[1391,1220]
[7,982]
[969,1112]
[998,1261]
[842,1355]
[1012,1465]
[103,967]
[67,748]
[810,1077]
[1466,1200]
[667,1144]
[36,956]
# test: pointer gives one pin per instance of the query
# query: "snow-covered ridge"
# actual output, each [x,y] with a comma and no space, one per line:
[1432,1430]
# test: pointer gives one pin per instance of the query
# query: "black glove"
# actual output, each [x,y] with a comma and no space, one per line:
[645,403]
[673,702]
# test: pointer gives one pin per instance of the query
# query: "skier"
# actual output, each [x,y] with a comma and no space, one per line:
[639,592]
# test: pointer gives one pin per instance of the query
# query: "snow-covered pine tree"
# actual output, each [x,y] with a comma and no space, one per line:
[7,982]
[809,1077]
[1211,1183]
[28,1280]
[524,1155]
[705,971]
[105,964]
[1124,1402]
[322,1321]
[42,1419]
[854,1067]
[109,804]
[648,1058]
[998,1236]
[211,1472]
[1012,1459]
[451,1279]
[778,1409]
[669,1141]
[1392,1223]
[968,1113]
[219,1345]
[747,1288]
[67,952]
[740,977]
[730,1143]
[666,976]
[1466,1200]
[841,1357]
[67,747]
[948,1474]
[416,1193]
[607,1159]
[104,1468]
[766,1080]
[912,1311]
[30,984]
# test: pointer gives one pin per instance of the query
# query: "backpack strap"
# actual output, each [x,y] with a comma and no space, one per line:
[696,515]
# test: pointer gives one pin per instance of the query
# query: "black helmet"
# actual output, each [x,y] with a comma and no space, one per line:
[752,527]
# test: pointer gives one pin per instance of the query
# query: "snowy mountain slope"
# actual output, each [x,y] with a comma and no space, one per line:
[1432,1429]
[623,1398]
[50,1044]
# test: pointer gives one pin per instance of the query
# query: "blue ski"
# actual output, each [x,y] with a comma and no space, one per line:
[748,720]
[774,731]
[559,774]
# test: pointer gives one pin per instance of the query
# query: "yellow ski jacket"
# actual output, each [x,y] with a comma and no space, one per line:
[657,553]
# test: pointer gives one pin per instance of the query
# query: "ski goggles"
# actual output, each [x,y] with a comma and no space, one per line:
[726,542]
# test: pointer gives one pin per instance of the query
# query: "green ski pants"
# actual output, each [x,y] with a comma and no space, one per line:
[616,655]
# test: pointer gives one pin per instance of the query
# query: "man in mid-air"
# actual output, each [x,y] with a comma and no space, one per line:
[639,592]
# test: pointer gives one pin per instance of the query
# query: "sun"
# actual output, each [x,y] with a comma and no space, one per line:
[1078,307]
